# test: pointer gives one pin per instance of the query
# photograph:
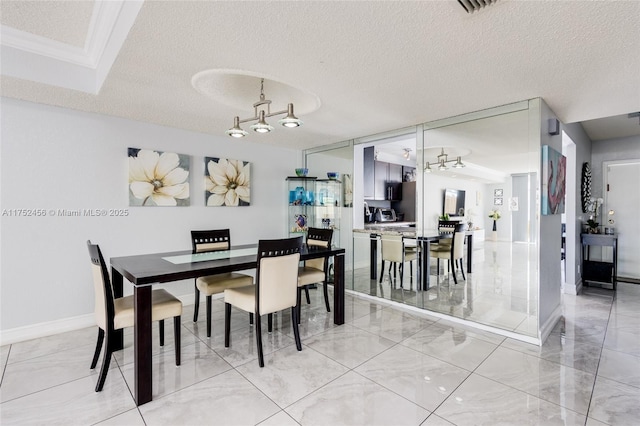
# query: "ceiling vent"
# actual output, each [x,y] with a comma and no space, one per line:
[475,5]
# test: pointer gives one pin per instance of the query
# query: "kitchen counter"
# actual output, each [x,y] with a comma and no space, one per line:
[393,228]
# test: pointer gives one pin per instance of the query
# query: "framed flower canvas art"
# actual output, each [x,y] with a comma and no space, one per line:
[158,178]
[227,182]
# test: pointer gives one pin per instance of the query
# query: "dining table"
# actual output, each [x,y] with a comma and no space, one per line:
[423,240]
[146,270]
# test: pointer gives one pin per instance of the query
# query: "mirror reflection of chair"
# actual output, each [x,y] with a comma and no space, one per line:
[276,288]
[396,252]
[315,270]
[454,254]
[115,314]
[208,241]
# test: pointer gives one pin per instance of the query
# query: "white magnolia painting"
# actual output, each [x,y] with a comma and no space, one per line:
[158,178]
[227,182]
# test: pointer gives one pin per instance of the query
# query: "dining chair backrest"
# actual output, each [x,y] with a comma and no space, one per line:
[392,248]
[322,238]
[457,247]
[277,274]
[211,240]
[448,226]
[104,306]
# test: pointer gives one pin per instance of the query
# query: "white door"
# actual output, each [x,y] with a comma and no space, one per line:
[622,184]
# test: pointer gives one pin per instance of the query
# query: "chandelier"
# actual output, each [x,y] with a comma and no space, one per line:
[407,154]
[262,110]
[442,161]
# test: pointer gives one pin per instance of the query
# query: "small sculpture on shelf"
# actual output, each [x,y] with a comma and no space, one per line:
[592,227]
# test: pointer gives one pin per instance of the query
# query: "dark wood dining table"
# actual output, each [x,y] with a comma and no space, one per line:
[145,270]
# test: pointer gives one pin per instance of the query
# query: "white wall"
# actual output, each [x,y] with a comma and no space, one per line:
[56,158]
[550,241]
[583,154]
[436,183]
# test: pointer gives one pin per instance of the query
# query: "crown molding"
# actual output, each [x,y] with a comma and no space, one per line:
[32,57]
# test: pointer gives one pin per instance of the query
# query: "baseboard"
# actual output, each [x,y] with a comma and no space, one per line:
[547,327]
[431,314]
[43,329]
[573,289]
[49,328]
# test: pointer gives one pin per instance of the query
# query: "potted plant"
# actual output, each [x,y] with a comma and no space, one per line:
[593,227]
[495,215]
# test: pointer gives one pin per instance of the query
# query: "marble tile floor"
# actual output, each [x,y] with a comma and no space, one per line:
[385,366]
[501,292]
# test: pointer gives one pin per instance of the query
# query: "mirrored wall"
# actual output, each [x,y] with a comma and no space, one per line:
[469,170]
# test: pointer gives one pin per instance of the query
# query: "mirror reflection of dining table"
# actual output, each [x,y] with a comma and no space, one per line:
[146,270]
[423,239]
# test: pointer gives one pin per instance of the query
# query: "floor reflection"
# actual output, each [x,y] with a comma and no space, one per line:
[502,290]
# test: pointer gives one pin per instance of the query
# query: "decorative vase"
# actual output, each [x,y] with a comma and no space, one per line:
[495,228]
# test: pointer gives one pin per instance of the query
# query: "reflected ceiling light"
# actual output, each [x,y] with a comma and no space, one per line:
[442,161]
[407,154]
[262,110]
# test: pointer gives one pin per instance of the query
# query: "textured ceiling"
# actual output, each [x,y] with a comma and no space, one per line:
[63,21]
[374,66]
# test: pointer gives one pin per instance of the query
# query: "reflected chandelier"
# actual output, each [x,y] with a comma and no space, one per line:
[443,159]
[260,114]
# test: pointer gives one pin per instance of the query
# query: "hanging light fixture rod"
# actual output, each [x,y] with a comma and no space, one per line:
[262,110]
[442,160]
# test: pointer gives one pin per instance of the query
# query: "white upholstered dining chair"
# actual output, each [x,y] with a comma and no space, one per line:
[275,289]
[115,314]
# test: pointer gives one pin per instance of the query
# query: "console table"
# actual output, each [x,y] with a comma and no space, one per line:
[599,271]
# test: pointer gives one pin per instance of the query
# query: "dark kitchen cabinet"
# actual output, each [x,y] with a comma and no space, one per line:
[381,181]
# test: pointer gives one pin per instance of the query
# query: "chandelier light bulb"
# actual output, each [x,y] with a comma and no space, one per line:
[458,164]
[427,169]
[261,126]
[290,120]
[236,131]
[442,166]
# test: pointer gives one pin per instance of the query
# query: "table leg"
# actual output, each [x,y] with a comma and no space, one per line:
[426,260]
[142,344]
[373,257]
[117,343]
[338,289]
[469,252]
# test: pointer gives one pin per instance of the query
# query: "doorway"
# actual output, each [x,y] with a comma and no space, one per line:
[622,201]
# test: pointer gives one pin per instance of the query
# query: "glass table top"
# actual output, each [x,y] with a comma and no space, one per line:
[211,255]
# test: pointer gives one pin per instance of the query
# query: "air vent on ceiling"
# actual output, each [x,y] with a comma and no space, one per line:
[474,5]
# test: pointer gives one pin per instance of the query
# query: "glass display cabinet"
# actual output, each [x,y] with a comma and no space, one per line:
[314,202]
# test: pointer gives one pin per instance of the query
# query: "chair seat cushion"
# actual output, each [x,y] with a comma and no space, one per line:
[242,297]
[308,275]
[164,305]
[214,284]
[410,255]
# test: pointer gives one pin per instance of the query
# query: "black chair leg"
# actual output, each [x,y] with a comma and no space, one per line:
[462,269]
[326,295]
[196,306]
[209,316]
[401,274]
[176,337]
[270,323]
[227,323]
[259,340]
[105,363]
[250,318]
[96,355]
[298,303]
[306,293]
[161,326]
[296,330]
[453,271]
[438,267]
[382,271]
